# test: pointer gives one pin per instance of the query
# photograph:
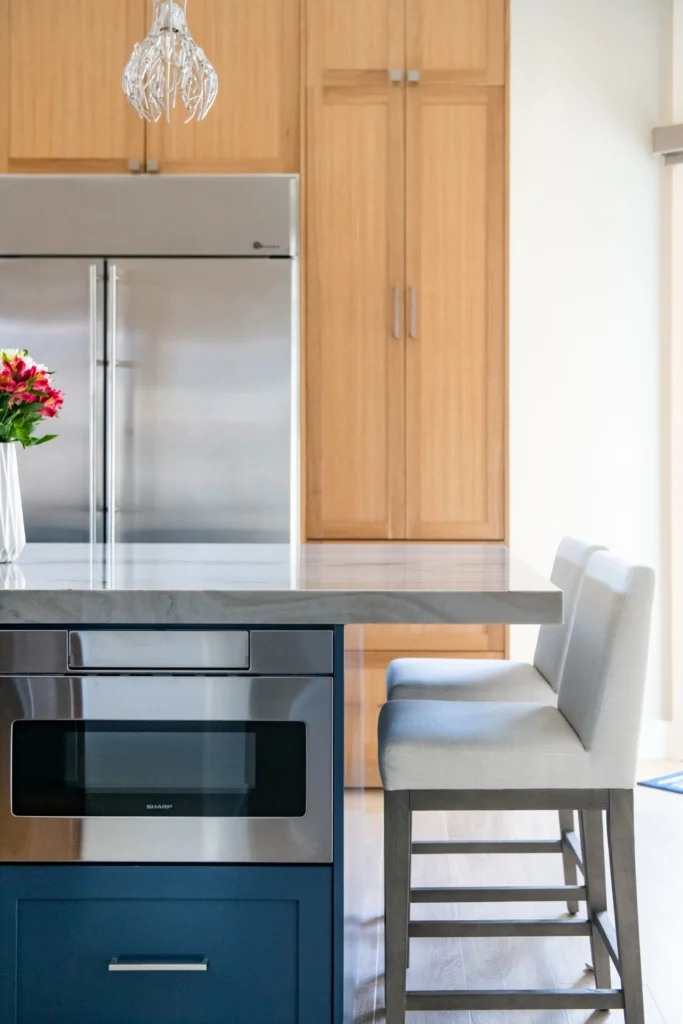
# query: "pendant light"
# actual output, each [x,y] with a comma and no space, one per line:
[167,64]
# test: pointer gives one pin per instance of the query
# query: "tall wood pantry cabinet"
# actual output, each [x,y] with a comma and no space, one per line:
[405,314]
[405,255]
[63,110]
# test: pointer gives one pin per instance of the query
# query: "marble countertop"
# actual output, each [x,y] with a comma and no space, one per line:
[317,584]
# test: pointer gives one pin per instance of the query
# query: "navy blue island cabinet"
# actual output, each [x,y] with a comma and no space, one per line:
[205,944]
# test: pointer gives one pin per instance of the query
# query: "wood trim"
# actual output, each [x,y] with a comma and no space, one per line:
[5,104]
[40,166]
[303,246]
[506,450]
[433,640]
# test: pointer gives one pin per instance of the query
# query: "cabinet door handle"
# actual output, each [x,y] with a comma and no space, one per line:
[134,166]
[395,76]
[397,312]
[413,313]
[413,77]
[149,963]
[152,167]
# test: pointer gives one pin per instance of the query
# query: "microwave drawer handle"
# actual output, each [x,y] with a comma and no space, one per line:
[144,963]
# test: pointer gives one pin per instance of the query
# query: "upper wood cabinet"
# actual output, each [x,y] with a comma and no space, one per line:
[405,280]
[253,126]
[63,108]
[457,41]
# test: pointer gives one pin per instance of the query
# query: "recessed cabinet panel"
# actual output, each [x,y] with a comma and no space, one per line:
[253,125]
[66,109]
[355,364]
[357,34]
[455,362]
[457,40]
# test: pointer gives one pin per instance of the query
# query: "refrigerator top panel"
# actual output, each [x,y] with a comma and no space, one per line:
[148,215]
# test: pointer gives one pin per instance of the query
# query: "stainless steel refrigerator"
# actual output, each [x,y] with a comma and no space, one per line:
[167,308]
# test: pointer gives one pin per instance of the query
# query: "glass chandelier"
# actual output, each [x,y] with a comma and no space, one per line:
[167,64]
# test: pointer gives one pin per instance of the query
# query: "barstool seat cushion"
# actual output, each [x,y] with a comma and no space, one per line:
[475,679]
[429,744]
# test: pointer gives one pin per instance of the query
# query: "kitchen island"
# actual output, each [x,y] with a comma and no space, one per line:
[171,769]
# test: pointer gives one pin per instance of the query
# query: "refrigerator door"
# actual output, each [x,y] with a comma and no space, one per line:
[54,308]
[201,441]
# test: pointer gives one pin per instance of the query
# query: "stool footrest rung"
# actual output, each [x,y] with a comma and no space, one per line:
[507,894]
[488,846]
[495,929]
[518,999]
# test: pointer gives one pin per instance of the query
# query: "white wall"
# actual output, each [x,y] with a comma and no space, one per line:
[585,327]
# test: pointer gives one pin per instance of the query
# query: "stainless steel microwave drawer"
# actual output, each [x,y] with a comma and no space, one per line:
[159,649]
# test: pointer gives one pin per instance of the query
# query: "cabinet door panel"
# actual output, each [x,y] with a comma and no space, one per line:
[359,34]
[455,364]
[253,125]
[457,40]
[66,107]
[420,639]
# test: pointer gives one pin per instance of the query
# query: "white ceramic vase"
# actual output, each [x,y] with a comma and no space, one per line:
[12,535]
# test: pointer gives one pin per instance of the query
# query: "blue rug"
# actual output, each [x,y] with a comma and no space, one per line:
[674,783]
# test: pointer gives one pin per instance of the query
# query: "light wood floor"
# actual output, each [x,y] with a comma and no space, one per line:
[512,963]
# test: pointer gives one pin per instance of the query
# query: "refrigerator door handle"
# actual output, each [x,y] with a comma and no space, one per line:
[93,330]
[111,407]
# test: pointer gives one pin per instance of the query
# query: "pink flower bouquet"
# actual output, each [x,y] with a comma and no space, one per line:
[26,398]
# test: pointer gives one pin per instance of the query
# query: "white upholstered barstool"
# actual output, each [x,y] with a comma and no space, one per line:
[499,680]
[580,755]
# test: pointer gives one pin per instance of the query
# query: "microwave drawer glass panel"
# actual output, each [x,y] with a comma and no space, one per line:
[78,769]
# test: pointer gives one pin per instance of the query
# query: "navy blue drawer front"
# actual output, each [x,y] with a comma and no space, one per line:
[266,933]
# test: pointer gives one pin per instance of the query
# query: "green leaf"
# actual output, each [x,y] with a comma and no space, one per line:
[31,442]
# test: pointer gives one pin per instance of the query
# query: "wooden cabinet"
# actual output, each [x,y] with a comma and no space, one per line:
[457,41]
[266,931]
[405,285]
[64,109]
[362,707]
[253,126]
[354,256]
[455,353]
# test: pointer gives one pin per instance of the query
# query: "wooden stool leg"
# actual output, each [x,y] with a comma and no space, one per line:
[396,902]
[593,848]
[568,862]
[410,864]
[621,837]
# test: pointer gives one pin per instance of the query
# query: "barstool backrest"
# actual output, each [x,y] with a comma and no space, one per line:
[568,571]
[603,682]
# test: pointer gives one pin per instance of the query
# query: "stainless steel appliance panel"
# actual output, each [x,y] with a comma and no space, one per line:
[296,652]
[143,215]
[202,417]
[142,649]
[28,651]
[54,308]
[305,840]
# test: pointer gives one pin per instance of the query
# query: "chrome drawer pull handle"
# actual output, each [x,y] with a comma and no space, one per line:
[141,963]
